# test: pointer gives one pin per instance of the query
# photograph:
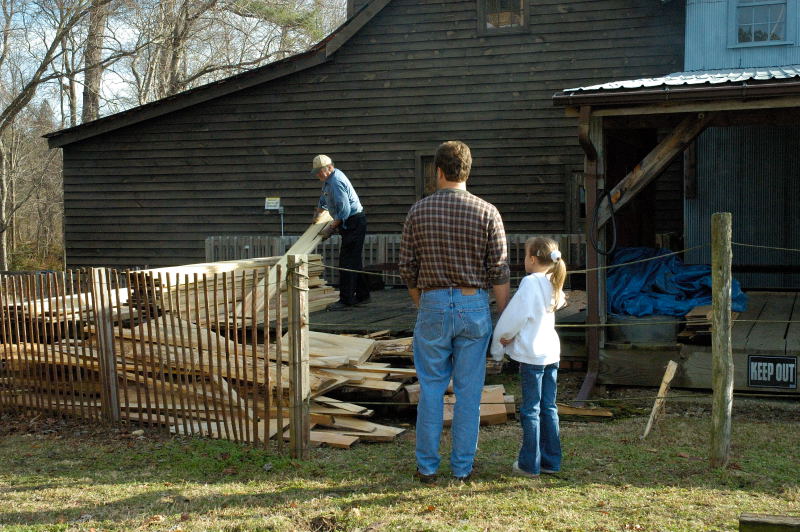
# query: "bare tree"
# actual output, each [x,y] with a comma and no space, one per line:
[31,49]
[185,43]
[93,74]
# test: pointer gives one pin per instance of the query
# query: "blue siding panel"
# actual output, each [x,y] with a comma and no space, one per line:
[710,39]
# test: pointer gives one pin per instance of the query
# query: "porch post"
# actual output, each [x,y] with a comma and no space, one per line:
[722,356]
[590,135]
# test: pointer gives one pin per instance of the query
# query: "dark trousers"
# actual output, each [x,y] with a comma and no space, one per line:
[353,287]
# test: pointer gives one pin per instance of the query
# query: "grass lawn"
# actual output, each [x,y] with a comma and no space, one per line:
[63,475]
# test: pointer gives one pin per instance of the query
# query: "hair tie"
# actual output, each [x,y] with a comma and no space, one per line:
[555,255]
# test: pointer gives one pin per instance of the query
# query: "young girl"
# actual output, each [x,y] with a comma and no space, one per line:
[526,332]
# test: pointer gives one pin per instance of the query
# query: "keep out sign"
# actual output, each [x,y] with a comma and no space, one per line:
[772,372]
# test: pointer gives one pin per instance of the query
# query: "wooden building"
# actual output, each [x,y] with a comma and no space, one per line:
[732,118]
[148,185]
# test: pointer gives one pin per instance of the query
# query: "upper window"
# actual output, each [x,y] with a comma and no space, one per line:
[760,21]
[502,15]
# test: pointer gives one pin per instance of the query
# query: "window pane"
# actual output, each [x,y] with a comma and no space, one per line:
[760,32]
[744,15]
[778,32]
[504,13]
[745,33]
[760,14]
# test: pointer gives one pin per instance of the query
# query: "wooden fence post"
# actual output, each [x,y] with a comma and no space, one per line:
[722,363]
[300,390]
[104,326]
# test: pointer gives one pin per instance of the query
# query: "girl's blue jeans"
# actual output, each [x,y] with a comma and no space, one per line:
[541,444]
[451,336]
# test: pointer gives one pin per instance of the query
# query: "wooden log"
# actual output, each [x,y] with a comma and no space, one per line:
[750,522]
[722,368]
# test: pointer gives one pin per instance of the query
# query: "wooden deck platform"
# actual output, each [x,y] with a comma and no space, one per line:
[766,349]
[391,309]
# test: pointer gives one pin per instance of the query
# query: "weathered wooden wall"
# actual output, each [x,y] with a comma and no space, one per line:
[416,75]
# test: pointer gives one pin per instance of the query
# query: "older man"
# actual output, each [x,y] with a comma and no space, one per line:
[339,198]
[452,250]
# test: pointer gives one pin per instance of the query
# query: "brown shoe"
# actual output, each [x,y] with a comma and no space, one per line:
[425,479]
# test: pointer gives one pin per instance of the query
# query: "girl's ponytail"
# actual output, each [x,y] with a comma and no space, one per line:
[546,251]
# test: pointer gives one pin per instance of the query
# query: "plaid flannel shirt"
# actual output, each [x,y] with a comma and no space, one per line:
[453,239]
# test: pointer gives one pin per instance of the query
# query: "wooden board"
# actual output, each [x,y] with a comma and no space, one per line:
[332,439]
[356,350]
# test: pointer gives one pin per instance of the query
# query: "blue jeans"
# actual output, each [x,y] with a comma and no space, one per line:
[451,336]
[541,445]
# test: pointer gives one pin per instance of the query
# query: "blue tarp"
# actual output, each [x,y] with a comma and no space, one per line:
[663,286]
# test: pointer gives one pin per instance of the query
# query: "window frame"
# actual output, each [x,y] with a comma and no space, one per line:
[524,28]
[790,29]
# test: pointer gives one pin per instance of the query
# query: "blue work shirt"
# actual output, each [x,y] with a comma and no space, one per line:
[339,197]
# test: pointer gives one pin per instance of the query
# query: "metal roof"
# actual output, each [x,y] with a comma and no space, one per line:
[698,77]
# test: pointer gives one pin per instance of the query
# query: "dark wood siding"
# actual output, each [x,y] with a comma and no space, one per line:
[416,75]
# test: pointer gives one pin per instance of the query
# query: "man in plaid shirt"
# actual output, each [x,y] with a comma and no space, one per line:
[452,250]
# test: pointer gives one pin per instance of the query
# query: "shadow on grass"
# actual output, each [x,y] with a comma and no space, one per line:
[610,456]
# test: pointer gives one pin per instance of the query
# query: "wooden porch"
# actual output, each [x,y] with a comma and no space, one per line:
[769,328]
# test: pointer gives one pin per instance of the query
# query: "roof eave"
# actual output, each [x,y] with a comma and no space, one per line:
[665,94]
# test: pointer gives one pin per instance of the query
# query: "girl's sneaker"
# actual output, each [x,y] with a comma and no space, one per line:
[515,470]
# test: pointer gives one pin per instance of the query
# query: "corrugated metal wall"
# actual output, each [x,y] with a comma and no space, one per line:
[753,173]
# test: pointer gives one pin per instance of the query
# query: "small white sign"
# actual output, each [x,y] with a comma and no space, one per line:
[272,204]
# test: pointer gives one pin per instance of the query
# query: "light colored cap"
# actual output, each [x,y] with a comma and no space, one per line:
[319,162]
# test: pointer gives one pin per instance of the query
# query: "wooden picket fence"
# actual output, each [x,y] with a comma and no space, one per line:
[381,251]
[163,348]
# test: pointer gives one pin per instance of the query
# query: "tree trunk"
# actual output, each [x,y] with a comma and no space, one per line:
[92,57]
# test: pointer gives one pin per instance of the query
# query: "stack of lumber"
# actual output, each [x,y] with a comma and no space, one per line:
[198,291]
[698,324]
[343,362]
[496,405]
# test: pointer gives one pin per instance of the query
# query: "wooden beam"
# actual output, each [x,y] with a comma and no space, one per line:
[654,163]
